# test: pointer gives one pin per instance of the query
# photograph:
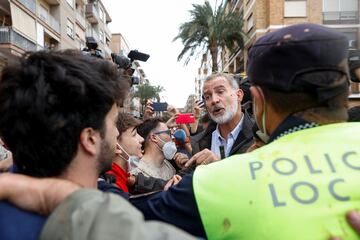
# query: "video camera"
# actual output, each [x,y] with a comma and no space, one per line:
[125,63]
[354,65]
[92,48]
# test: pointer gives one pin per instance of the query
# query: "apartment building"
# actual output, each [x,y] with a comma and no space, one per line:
[261,16]
[96,26]
[30,25]
[203,71]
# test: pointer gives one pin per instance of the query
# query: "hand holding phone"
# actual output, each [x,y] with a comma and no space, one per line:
[200,103]
[159,106]
[185,118]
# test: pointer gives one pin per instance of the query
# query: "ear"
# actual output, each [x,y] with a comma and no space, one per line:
[258,103]
[240,95]
[89,140]
[153,138]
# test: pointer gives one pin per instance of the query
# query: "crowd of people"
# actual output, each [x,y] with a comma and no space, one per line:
[279,164]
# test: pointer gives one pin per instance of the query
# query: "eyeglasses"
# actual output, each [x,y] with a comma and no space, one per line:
[168,131]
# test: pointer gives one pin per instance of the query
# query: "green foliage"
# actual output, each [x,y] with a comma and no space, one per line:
[147,92]
[210,30]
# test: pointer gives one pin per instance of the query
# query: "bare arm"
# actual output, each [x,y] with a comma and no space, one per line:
[37,195]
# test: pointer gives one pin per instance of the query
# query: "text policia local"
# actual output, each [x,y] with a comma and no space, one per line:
[309,167]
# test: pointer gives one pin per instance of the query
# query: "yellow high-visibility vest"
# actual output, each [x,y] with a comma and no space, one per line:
[297,187]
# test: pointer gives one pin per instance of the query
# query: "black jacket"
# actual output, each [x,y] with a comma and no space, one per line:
[243,141]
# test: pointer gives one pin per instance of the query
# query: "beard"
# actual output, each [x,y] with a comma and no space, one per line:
[105,157]
[229,113]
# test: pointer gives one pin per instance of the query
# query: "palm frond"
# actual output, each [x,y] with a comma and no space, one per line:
[209,29]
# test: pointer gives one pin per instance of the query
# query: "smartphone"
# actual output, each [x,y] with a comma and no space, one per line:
[159,106]
[185,118]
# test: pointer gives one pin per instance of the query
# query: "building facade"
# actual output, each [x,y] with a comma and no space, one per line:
[30,25]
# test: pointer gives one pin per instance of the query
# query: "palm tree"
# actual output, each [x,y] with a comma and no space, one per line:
[211,31]
[147,92]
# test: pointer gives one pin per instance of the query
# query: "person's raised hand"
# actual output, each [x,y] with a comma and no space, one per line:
[172,121]
[197,109]
[181,159]
[149,110]
[203,157]
[171,110]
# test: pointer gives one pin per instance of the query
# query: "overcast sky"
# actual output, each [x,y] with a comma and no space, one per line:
[150,26]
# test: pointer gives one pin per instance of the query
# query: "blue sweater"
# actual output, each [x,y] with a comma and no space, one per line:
[18,224]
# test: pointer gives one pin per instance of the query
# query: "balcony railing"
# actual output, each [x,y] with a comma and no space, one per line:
[344,17]
[51,21]
[29,4]
[91,13]
[92,33]
[107,31]
[9,36]
[80,19]
[236,4]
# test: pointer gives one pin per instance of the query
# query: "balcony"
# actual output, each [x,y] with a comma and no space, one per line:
[51,21]
[29,4]
[80,19]
[53,2]
[91,13]
[92,33]
[236,5]
[345,17]
[107,31]
[9,36]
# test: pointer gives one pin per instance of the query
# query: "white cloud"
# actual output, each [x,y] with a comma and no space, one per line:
[150,27]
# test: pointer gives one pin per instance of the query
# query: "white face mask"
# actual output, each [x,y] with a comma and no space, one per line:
[132,161]
[169,149]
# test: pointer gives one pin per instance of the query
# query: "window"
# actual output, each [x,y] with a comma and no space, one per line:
[340,5]
[70,28]
[71,3]
[340,11]
[250,22]
[101,36]
[43,12]
[294,8]
[102,15]
[352,35]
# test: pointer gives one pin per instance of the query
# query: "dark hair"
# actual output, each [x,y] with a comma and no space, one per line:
[126,121]
[147,126]
[47,99]
[354,114]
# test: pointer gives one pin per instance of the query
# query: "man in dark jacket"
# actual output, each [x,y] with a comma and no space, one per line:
[230,131]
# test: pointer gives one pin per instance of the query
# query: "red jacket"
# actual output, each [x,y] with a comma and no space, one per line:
[120,175]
